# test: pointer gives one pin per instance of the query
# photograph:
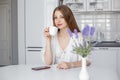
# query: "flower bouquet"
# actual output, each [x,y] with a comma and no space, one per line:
[83,48]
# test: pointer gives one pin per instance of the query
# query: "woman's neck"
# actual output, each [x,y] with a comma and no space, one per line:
[63,32]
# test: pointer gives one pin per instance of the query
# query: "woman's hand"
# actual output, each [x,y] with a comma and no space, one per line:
[46,33]
[64,65]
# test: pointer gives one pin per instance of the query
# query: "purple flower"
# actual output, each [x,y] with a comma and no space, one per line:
[83,48]
[92,30]
[69,32]
[85,31]
[76,33]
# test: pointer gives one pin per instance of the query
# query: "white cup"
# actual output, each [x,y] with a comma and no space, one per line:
[53,30]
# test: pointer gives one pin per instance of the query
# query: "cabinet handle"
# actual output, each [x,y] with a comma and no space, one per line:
[34,47]
[103,48]
[98,9]
[35,50]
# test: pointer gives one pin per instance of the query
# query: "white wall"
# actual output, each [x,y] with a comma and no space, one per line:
[49,7]
[21,29]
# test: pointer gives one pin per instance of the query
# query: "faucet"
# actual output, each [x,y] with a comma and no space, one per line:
[100,36]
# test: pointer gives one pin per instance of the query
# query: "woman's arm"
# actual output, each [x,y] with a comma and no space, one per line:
[48,53]
[48,56]
[67,65]
[78,63]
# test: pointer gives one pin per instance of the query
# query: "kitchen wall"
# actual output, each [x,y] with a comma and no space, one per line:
[106,24]
[102,14]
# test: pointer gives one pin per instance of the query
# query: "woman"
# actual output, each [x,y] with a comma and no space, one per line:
[59,48]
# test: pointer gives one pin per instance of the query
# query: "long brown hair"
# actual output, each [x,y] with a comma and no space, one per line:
[68,16]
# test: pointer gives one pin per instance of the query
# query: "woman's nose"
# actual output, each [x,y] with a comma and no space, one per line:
[58,19]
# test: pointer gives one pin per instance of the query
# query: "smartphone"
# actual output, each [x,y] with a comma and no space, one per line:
[40,68]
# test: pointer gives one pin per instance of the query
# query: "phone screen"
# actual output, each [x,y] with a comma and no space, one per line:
[41,68]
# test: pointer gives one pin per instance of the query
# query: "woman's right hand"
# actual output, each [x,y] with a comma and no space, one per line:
[47,34]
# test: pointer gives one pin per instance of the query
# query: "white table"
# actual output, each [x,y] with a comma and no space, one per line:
[24,72]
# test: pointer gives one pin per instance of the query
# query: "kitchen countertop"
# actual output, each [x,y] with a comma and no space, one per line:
[106,44]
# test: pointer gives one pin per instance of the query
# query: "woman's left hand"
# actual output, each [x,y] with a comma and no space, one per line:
[64,65]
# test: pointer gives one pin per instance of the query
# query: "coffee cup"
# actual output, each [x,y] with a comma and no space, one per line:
[53,30]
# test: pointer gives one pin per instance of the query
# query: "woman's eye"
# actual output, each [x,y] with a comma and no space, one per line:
[61,16]
[55,17]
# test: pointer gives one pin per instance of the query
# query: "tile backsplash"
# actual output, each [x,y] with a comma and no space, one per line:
[107,24]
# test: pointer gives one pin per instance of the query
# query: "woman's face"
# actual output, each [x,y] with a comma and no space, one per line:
[59,20]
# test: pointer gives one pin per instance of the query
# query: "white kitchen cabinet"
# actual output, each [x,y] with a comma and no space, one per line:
[33,56]
[76,5]
[98,5]
[34,22]
[88,5]
[38,15]
[115,5]
[93,5]
[34,25]
[104,57]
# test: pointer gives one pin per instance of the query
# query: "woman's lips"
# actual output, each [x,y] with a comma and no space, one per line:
[59,25]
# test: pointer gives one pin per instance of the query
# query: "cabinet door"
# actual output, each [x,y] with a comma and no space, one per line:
[116,5]
[33,57]
[38,15]
[5,30]
[104,58]
[98,5]
[76,5]
[34,22]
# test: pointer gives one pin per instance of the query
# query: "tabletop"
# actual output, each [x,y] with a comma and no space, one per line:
[24,72]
